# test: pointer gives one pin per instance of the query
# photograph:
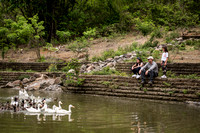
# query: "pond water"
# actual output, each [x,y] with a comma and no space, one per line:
[100,114]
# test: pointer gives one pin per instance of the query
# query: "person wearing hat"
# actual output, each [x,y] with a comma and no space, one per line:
[136,67]
[150,70]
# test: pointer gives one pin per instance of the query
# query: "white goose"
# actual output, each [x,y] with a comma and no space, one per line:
[33,110]
[48,110]
[63,111]
[59,106]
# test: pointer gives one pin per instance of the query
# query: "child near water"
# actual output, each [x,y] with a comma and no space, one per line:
[164,60]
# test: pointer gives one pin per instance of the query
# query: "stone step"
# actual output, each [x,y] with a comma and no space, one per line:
[136,94]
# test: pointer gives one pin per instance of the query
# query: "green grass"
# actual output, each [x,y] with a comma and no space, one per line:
[106,83]
[166,84]
[185,91]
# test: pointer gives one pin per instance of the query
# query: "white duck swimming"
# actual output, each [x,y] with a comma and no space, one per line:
[23,94]
[59,106]
[63,111]
[48,110]
[33,110]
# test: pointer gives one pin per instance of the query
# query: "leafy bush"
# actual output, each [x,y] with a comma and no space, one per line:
[144,27]
[90,33]
[73,64]
[52,68]
[79,46]
[41,59]
[23,77]
[71,81]
[63,36]
[171,36]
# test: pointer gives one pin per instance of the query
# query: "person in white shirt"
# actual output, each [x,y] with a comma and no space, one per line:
[164,60]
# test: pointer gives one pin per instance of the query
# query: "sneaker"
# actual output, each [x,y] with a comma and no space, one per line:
[164,77]
[133,76]
[138,76]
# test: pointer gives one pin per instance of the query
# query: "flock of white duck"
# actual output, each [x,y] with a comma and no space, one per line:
[34,104]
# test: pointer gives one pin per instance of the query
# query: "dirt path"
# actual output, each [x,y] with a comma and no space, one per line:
[97,47]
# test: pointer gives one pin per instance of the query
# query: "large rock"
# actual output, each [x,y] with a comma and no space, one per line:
[109,60]
[37,75]
[9,85]
[32,78]
[110,64]
[43,85]
[25,80]
[54,88]
[58,81]
[90,68]
[71,71]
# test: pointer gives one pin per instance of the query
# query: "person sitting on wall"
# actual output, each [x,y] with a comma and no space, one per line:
[149,70]
[136,68]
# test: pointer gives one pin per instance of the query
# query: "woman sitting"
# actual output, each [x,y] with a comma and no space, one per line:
[136,68]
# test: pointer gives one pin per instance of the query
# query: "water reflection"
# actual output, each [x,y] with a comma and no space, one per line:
[43,116]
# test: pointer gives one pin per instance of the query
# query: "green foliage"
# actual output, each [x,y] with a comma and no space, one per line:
[52,68]
[195,43]
[171,92]
[30,71]
[63,36]
[71,81]
[73,64]
[106,83]
[114,86]
[111,53]
[23,77]
[190,76]
[185,91]
[90,33]
[171,36]
[166,84]
[79,46]
[182,46]
[145,90]
[21,31]
[144,27]
[41,59]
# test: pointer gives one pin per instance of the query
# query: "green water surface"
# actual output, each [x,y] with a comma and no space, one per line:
[100,114]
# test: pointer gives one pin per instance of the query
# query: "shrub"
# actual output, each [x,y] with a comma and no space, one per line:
[144,27]
[41,59]
[63,36]
[172,36]
[23,77]
[79,46]
[90,33]
[52,68]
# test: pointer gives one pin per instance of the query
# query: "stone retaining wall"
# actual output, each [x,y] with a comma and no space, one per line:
[177,68]
[18,66]
[163,89]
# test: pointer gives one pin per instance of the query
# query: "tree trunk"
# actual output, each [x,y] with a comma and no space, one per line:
[38,50]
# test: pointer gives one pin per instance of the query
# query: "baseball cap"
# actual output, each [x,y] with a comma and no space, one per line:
[150,57]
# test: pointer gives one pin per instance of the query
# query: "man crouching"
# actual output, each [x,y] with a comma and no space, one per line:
[149,70]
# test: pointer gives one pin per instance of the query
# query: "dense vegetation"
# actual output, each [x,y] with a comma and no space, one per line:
[35,22]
